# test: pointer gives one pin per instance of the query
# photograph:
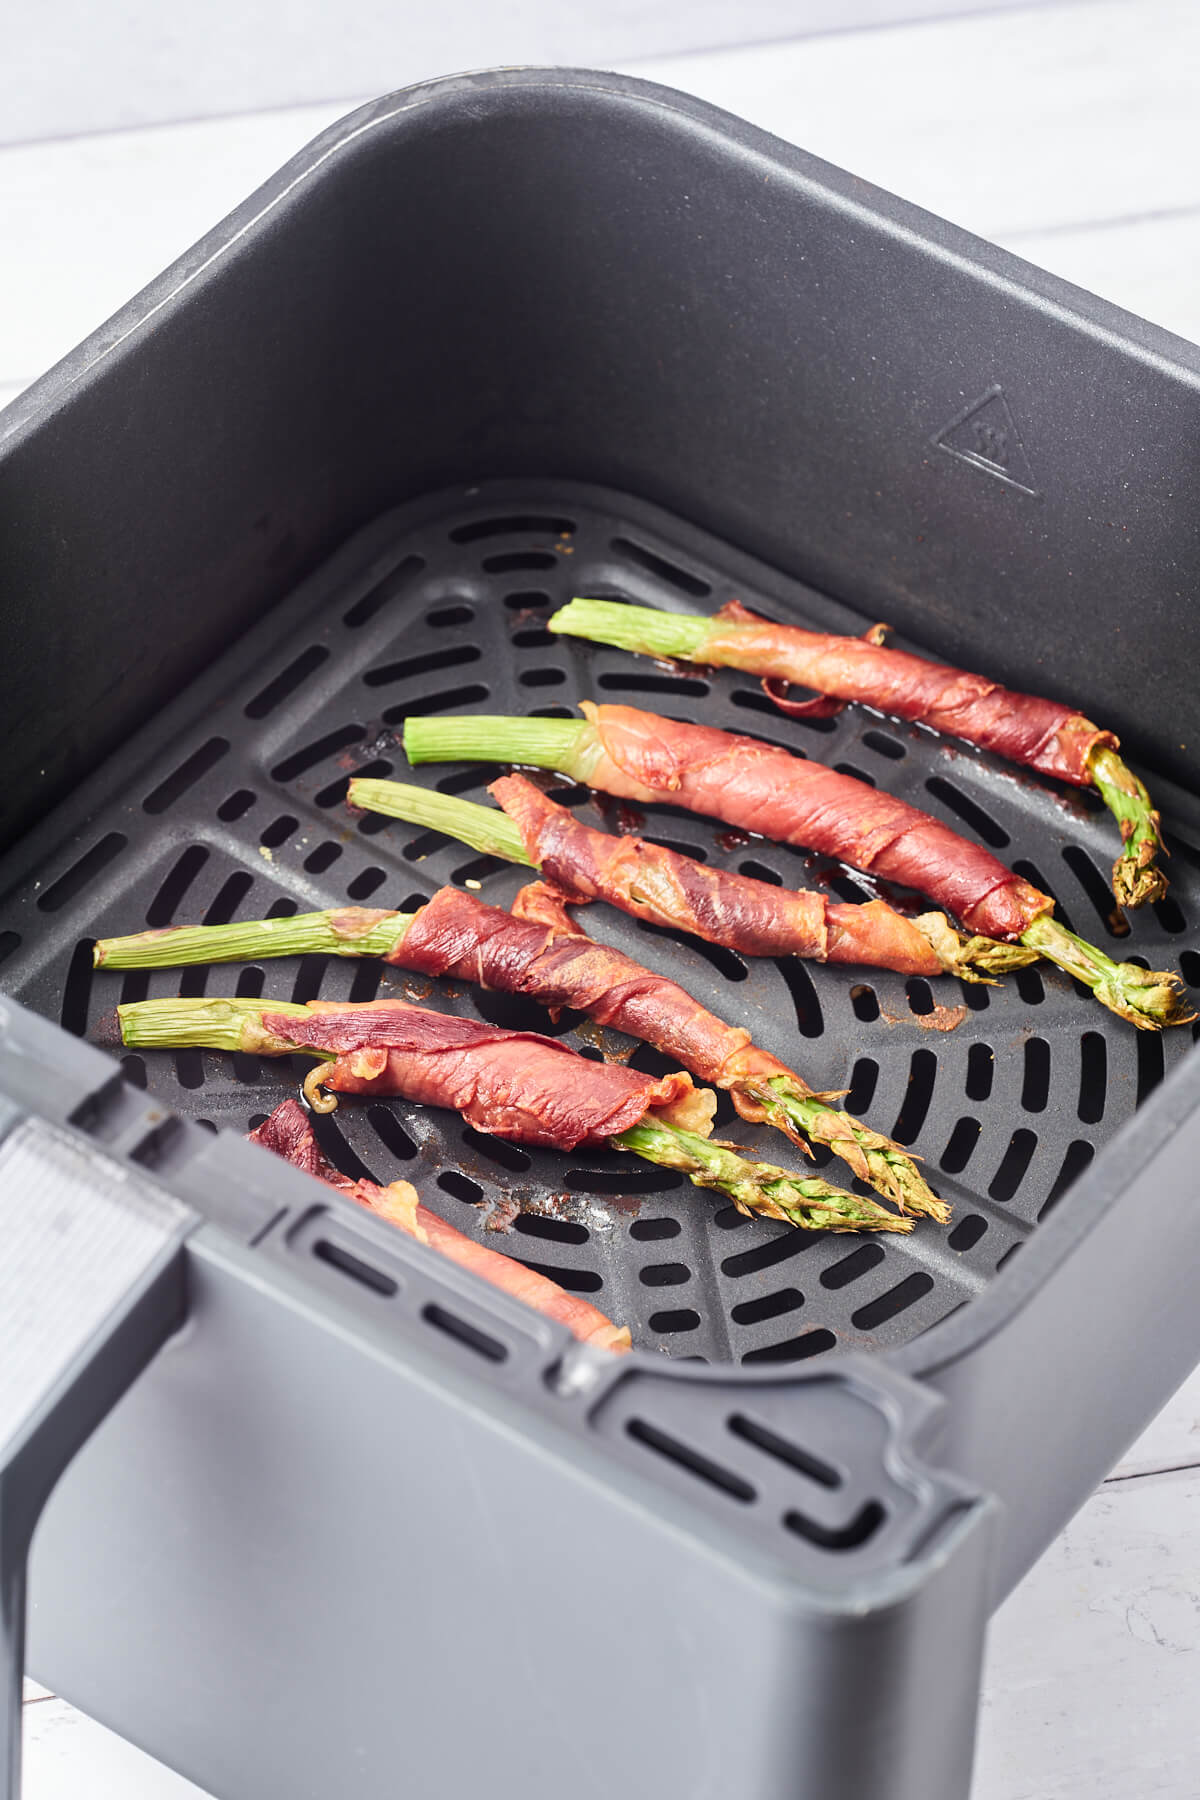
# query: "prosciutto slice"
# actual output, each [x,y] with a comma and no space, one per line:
[1043,734]
[289,1134]
[763,788]
[723,907]
[514,1084]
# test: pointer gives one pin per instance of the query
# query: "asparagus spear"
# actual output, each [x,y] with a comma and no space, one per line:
[490,831]
[352,931]
[754,1187]
[1148,999]
[724,641]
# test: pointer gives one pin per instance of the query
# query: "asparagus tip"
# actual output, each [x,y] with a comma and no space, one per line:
[976,959]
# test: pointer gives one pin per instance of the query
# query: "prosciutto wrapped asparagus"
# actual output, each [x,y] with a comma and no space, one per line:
[666,888]
[538,951]
[514,1084]
[1042,734]
[764,788]
[289,1134]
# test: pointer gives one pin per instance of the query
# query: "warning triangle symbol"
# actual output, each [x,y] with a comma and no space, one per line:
[985,435]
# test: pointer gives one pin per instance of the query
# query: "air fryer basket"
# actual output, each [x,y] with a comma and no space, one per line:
[493,342]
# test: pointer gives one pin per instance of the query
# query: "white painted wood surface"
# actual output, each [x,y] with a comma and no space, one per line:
[1068,133]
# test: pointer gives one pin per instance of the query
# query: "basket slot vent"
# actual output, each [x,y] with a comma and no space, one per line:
[967,1232]
[896,1300]
[1013,1166]
[654,1230]
[922,1073]
[236,805]
[1095,886]
[82,872]
[77,989]
[347,1263]
[1079,1155]
[464,1332]
[634,681]
[322,858]
[726,962]
[287,681]
[784,1451]
[519,525]
[765,1256]
[920,996]
[460,1186]
[576,1281]
[851,1536]
[795,1349]
[883,745]
[665,1274]
[512,562]
[186,775]
[865,1003]
[1093,1077]
[770,1306]
[683,579]
[799,984]
[1169,914]
[961,1144]
[367,882]
[497,1150]
[161,910]
[542,678]
[851,1268]
[229,897]
[981,1068]
[447,700]
[1035,1089]
[1150,1063]
[759,872]
[443,616]
[391,1133]
[863,1080]
[969,811]
[534,637]
[626,1177]
[377,597]
[555,1231]
[754,700]
[451,657]
[674,1322]
[685,1457]
[309,755]
[278,831]
[527,600]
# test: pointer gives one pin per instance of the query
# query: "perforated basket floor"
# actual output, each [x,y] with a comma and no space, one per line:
[235,806]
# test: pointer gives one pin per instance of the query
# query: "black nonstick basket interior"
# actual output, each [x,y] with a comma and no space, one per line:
[238,810]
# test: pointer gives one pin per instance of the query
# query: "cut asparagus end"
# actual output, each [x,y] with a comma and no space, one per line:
[208,1025]
[561,744]
[1148,998]
[755,1188]
[970,958]
[1136,878]
[483,828]
[639,628]
[875,1159]
[344,931]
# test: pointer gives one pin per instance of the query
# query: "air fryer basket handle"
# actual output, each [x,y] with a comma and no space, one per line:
[91,1284]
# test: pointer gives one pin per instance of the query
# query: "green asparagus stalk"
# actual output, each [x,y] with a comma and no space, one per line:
[358,931]
[489,830]
[1136,878]
[753,1187]
[643,629]
[875,1159]
[1148,999]
[343,931]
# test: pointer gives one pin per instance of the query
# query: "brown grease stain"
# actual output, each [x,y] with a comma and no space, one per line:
[942,1018]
